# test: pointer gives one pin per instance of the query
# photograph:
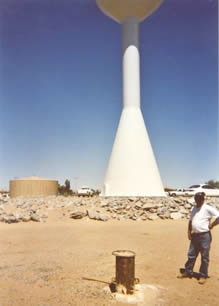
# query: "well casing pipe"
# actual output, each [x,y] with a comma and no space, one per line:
[125,270]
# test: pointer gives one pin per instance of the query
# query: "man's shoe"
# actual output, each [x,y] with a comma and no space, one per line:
[202,280]
[185,275]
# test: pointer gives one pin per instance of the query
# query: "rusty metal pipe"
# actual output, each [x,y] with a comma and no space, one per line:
[125,270]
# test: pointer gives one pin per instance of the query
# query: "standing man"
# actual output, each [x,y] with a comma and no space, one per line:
[199,233]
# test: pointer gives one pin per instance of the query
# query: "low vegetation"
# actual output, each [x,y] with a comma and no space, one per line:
[66,190]
[213,183]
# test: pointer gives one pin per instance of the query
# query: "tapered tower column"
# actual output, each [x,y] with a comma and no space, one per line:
[131,63]
[132,169]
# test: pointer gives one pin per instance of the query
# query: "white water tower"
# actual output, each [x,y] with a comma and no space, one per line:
[132,168]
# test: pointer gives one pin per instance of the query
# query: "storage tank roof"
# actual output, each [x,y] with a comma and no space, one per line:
[33,178]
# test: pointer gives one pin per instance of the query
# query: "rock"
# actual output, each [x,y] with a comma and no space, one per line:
[60,205]
[35,217]
[173,205]
[187,206]
[71,207]
[176,215]
[5,219]
[91,213]
[153,210]
[148,206]
[10,219]
[17,216]
[102,217]
[143,218]
[26,218]
[97,215]
[166,215]
[174,210]
[191,201]
[153,217]
[182,210]
[161,210]
[44,215]
[178,201]
[132,199]
[162,217]
[32,211]
[103,204]
[119,218]
[20,204]
[133,217]
[109,209]
[77,214]
[138,205]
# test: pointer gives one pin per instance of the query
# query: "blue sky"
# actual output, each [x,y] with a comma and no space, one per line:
[61,90]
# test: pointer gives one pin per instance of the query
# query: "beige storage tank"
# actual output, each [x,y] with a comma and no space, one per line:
[33,186]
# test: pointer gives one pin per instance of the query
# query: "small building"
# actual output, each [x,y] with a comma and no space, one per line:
[33,186]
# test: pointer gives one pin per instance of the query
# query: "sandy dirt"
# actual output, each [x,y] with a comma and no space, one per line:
[43,263]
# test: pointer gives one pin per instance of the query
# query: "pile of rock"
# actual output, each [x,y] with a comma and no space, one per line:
[97,208]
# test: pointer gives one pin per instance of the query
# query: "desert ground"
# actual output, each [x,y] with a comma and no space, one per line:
[44,263]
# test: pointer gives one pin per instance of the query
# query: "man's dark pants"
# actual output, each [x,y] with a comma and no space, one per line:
[200,243]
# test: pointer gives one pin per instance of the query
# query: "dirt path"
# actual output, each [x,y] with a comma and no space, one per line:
[43,264]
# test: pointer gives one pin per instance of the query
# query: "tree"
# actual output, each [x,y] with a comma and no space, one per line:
[65,189]
[96,192]
[213,183]
[67,186]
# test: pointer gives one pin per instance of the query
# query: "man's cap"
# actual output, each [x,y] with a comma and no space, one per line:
[199,195]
